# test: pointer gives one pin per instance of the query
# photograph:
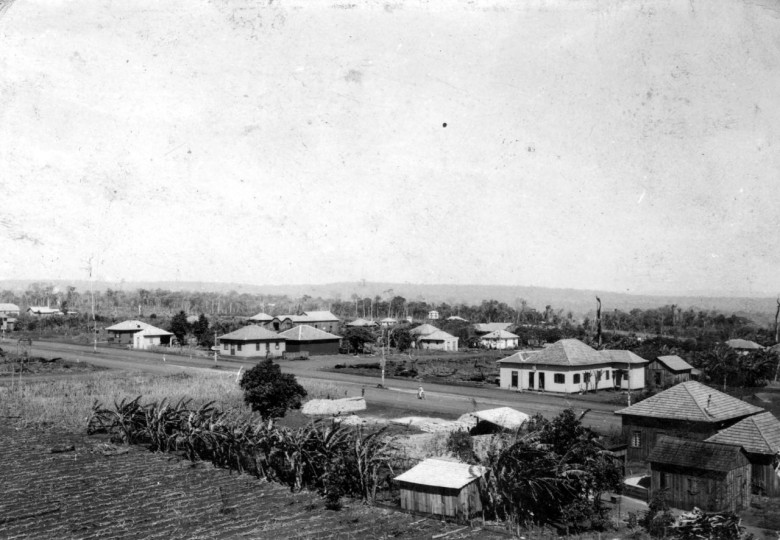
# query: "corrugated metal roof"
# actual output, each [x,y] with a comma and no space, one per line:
[423,330]
[43,310]
[305,332]
[129,326]
[153,331]
[675,363]
[692,401]
[492,326]
[743,344]
[500,334]
[708,456]
[321,316]
[438,335]
[252,332]
[505,417]
[261,317]
[444,473]
[361,322]
[9,307]
[758,434]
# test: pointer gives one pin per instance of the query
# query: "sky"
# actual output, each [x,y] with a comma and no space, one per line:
[619,145]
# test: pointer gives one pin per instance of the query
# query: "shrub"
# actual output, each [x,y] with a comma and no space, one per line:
[269,391]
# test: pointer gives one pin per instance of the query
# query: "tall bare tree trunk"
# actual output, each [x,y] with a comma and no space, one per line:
[598,321]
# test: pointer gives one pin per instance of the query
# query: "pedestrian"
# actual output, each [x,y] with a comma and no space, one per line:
[363,392]
[421,393]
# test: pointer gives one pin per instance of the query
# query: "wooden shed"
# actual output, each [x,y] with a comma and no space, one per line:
[712,476]
[759,437]
[668,370]
[442,487]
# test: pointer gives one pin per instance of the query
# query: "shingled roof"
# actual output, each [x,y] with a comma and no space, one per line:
[675,363]
[707,456]
[500,334]
[758,434]
[692,401]
[566,352]
[252,332]
[305,332]
[622,357]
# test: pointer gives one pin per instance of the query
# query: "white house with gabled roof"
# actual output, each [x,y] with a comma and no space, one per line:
[570,366]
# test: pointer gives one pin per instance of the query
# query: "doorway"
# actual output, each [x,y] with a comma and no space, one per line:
[541,381]
[513,384]
[531,380]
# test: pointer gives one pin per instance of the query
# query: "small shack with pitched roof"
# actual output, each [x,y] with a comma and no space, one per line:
[668,370]
[500,339]
[712,476]
[442,487]
[759,437]
[687,410]
[306,338]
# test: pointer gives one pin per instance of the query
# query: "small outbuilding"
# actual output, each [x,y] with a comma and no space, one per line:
[668,370]
[712,476]
[252,341]
[442,487]
[306,338]
[495,420]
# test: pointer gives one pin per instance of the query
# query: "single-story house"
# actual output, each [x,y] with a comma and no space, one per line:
[500,339]
[11,310]
[688,410]
[668,370]
[486,328]
[252,341]
[570,366]
[387,322]
[711,476]
[439,340]
[124,333]
[310,339]
[433,314]
[442,487]
[151,336]
[743,346]
[361,323]
[43,311]
[759,437]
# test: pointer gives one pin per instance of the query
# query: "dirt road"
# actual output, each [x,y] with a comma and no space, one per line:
[441,399]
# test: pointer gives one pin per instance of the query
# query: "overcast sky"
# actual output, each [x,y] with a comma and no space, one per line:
[626,146]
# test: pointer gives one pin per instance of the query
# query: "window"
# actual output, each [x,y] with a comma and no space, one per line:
[606,375]
[636,439]
[225,346]
[239,347]
[277,345]
[559,378]
[693,486]
[586,377]
[267,346]
[257,346]
[576,378]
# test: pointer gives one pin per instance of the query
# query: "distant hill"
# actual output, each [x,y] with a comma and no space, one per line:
[579,301]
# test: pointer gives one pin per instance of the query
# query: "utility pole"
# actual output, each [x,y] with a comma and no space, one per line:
[94,320]
[216,348]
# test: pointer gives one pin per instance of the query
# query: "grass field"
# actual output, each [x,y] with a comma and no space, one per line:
[66,401]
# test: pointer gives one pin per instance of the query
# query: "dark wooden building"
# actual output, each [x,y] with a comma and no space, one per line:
[306,338]
[711,476]
[442,487]
[688,410]
[759,437]
[668,370]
